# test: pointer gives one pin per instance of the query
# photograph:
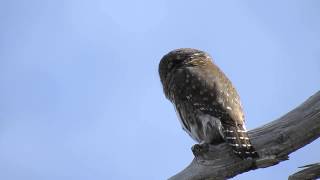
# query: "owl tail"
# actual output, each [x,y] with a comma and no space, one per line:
[237,138]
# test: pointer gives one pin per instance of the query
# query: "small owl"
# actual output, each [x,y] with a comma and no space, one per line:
[206,102]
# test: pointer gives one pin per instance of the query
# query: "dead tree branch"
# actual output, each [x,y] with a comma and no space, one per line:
[273,141]
[311,171]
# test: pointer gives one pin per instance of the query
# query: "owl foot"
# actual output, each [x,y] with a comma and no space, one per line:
[200,149]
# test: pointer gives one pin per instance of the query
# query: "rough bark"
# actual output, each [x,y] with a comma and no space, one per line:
[273,141]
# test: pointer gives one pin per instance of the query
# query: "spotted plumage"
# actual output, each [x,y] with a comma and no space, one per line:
[206,102]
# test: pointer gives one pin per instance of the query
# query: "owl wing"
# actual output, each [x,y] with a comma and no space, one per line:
[211,92]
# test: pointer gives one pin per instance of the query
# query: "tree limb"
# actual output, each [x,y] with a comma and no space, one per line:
[273,141]
[311,171]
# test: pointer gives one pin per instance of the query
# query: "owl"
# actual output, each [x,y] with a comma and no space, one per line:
[206,102]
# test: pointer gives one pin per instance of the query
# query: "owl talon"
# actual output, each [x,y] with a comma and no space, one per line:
[199,149]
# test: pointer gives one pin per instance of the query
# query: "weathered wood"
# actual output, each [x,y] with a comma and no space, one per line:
[273,141]
[310,172]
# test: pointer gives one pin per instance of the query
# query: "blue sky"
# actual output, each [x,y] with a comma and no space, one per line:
[81,97]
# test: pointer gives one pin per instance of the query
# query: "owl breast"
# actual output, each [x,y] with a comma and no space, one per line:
[201,127]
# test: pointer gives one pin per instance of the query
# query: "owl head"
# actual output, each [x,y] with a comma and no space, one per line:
[180,58]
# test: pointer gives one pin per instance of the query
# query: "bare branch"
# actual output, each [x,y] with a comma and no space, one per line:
[273,141]
[311,171]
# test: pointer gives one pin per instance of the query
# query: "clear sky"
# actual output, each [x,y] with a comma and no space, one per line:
[80,94]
